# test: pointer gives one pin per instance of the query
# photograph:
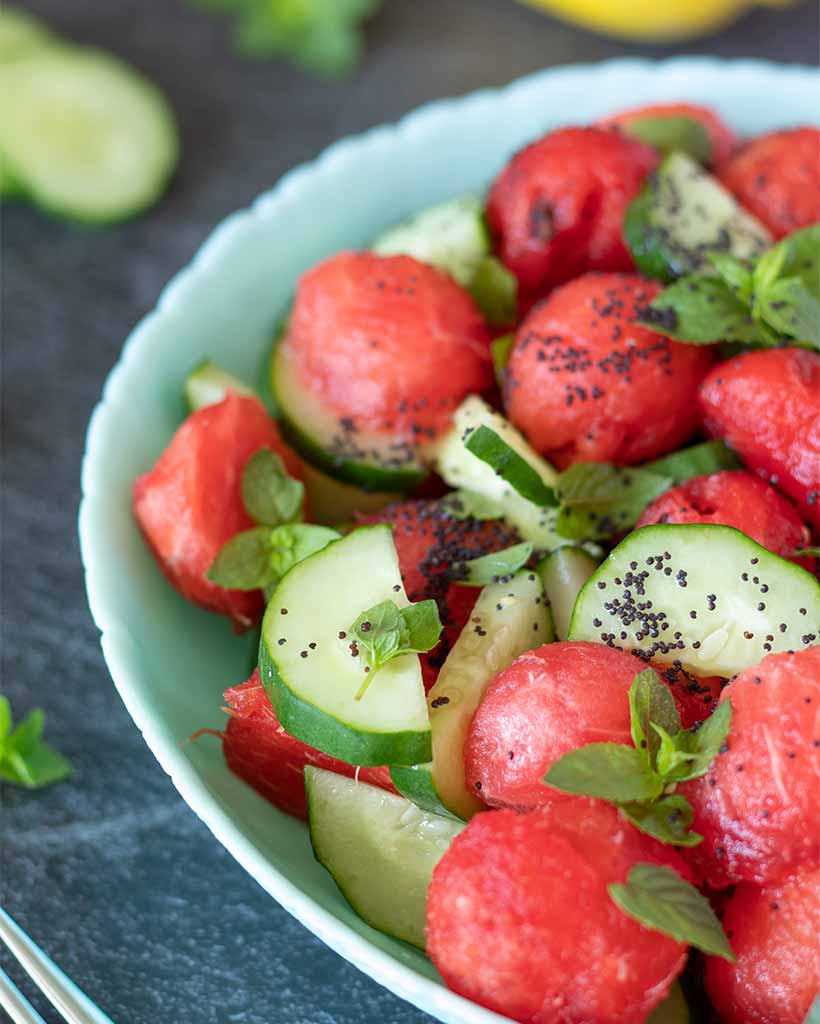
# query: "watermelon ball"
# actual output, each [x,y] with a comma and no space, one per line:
[777,178]
[190,505]
[258,750]
[757,807]
[433,546]
[387,344]
[584,383]
[734,498]
[721,137]
[519,918]
[765,406]
[547,702]
[775,935]
[557,207]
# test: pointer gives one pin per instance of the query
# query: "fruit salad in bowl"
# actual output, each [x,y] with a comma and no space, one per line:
[520,525]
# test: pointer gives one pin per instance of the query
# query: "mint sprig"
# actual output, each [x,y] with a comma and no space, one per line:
[641,779]
[466,504]
[25,758]
[697,460]
[269,495]
[599,500]
[386,631]
[659,898]
[769,301]
[493,567]
[258,558]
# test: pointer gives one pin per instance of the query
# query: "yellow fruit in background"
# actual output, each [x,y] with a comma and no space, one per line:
[659,20]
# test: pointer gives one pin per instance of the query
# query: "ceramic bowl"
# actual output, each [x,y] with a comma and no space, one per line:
[170,661]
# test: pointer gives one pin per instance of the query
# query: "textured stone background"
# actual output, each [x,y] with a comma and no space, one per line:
[111,873]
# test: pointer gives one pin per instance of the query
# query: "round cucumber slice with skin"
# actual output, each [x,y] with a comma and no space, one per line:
[451,236]
[209,383]
[377,462]
[564,572]
[86,136]
[706,596]
[459,468]
[379,848]
[682,215]
[509,618]
[309,672]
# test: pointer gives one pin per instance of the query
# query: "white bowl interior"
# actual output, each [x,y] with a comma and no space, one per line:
[171,661]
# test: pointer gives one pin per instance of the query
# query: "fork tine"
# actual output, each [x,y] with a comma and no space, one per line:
[58,988]
[15,1003]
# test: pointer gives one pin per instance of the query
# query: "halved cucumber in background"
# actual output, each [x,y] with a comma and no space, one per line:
[84,135]
[459,468]
[380,849]
[209,383]
[508,619]
[707,596]
[683,214]
[373,461]
[564,572]
[311,675]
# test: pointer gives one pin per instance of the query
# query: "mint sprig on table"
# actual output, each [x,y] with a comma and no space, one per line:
[256,559]
[641,780]
[770,301]
[322,36]
[386,631]
[25,758]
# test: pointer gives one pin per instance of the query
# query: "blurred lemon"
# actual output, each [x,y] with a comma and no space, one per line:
[660,20]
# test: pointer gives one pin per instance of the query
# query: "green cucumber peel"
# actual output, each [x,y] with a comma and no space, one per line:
[487,445]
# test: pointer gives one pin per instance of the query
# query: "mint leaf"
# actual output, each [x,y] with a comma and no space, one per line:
[386,631]
[269,495]
[698,460]
[258,558]
[495,291]
[689,752]
[700,311]
[768,268]
[466,504]
[791,309]
[660,899]
[735,274]
[488,446]
[500,350]
[651,703]
[669,133]
[492,568]
[599,500]
[244,562]
[25,759]
[608,771]
[666,819]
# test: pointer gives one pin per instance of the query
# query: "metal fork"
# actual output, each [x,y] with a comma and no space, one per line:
[71,1003]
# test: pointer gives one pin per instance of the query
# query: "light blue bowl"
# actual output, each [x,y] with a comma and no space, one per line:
[170,661]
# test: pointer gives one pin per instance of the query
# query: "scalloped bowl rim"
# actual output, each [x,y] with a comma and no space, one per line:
[116,640]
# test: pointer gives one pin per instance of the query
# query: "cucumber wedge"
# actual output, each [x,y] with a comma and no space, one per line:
[379,848]
[209,383]
[461,469]
[416,783]
[21,33]
[706,596]
[85,135]
[451,236]
[373,461]
[682,215]
[508,619]
[309,672]
[564,572]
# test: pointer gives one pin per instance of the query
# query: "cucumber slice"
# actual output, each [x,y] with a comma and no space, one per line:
[416,783]
[508,619]
[673,1010]
[706,596]
[379,848]
[564,572]
[682,215]
[375,462]
[209,383]
[461,469]
[309,672]
[21,33]
[451,236]
[88,137]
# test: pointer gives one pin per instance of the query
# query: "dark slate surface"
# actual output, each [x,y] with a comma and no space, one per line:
[111,872]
